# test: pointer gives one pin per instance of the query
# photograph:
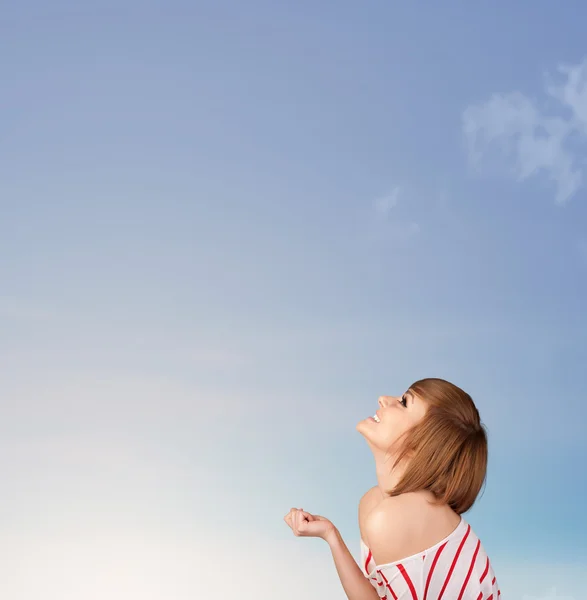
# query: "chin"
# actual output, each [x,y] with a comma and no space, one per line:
[362,426]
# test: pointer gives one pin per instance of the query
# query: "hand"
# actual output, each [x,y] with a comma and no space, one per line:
[305,524]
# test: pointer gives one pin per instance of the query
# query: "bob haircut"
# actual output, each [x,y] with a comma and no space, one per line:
[447,449]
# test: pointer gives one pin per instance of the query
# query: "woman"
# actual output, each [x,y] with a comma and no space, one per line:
[430,451]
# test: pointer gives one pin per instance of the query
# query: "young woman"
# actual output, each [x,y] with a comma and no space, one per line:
[430,451]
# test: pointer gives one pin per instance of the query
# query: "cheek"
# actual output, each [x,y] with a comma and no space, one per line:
[392,430]
[400,424]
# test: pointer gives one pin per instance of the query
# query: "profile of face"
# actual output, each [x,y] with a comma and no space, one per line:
[395,415]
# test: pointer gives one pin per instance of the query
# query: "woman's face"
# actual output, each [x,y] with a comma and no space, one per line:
[396,415]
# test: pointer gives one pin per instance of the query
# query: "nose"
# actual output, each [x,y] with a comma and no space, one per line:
[384,401]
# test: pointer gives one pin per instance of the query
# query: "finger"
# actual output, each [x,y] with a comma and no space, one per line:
[300,522]
[288,518]
[296,522]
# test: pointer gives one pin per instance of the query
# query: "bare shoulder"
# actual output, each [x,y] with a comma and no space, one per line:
[389,529]
[404,525]
[368,502]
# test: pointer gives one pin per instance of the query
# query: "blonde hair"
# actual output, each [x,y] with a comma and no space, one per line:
[447,450]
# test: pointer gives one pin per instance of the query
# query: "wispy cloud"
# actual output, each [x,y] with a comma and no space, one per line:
[385,204]
[392,228]
[530,138]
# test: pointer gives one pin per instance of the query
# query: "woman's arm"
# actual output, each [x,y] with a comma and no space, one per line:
[354,582]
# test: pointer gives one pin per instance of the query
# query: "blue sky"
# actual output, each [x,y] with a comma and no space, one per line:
[227,228]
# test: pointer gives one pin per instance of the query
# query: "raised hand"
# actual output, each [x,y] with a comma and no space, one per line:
[304,524]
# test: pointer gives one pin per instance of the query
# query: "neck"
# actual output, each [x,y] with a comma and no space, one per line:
[387,478]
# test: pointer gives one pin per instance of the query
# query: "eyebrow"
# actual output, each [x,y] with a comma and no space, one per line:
[410,393]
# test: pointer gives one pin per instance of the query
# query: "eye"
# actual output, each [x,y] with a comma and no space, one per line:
[404,401]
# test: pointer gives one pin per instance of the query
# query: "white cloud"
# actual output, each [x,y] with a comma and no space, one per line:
[387,229]
[573,94]
[385,204]
[514,128]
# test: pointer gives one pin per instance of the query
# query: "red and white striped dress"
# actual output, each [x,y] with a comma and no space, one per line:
[457,568]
